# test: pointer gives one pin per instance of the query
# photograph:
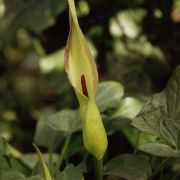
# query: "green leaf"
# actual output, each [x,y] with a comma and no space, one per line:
[3,162]
[112,178]
[129,107]
[11,174]
[148,120]
[159,149]
[128,166]
[75,146]
[108,95]
[44,167]
[33,15]
[161,114]
[45,135]
[19,166]
[66,121]
[56,173]
[30,159]
[72,173]
[132,135]
[69,173]
[38,177]
[52,62]
[58,6]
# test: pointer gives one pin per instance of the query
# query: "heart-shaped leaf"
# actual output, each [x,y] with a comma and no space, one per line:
[37,177]
[128,166]
[159,149]
[46,136]
[129,107]
[11,174]
[33,15]
[161,114]
[109,94]
[72,172]
[66,121]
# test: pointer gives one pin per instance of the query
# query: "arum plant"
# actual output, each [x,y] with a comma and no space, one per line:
[82,73]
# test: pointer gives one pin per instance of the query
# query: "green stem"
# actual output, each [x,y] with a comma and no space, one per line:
[161,166]
[99,169]
[64,149]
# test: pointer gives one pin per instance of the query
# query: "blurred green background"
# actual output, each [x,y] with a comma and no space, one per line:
[135,42]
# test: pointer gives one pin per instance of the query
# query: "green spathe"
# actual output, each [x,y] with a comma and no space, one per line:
[82,73]
[94,134]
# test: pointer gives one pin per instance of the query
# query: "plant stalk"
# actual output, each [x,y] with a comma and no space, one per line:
[99,169]
[64,149]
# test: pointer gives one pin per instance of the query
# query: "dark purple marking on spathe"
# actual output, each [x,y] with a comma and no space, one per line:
[84,86]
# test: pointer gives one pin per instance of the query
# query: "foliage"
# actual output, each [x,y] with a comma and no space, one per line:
[136,48]
[128,166]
